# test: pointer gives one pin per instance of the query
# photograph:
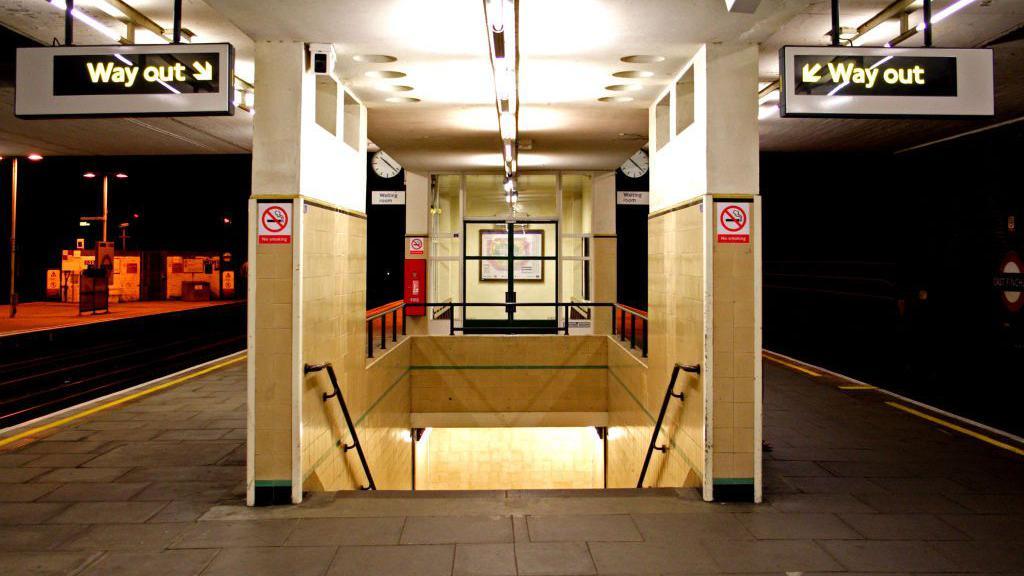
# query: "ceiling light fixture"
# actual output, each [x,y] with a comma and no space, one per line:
[385,74]
[89,21]
[642,59]
[374,58]
[946,13]
[501,18]
[634,74]
[615,99]
[394,88]
[624,87]
[402,100]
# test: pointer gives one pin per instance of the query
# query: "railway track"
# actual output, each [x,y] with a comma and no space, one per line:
[43,373]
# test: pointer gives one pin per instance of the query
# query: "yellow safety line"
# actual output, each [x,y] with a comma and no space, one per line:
[794,366]
[960,429]
[122,400]
[858,387]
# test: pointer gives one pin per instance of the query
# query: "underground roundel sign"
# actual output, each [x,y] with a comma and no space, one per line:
[1009,281]
[733,222]
[275,223]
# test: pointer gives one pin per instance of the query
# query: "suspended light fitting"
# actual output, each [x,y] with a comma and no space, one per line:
[501,19]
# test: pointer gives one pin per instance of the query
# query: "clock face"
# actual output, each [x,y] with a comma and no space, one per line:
[636,166]
[384,165]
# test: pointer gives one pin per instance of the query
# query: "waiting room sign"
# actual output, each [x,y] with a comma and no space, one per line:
[845,82]
[141,80]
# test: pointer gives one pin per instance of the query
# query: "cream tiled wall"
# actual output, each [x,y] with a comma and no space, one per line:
[734,360]
[509,374]
[509,458]
[676,335]
[334,330]
[605,285]
[272,365]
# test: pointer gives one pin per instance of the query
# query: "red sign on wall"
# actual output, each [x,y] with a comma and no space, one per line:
[415,286]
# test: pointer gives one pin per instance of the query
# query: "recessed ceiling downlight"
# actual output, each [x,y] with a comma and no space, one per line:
[394,88]
[634,74]
[385,74]
[403,100]
[615,99]
[374,58]
[643,59]
[624,87]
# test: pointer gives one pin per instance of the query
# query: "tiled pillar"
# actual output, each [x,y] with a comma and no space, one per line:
[603,250]
[307,289]
[704,283]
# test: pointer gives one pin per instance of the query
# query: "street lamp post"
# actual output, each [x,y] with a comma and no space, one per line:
[106,188]
[14,228]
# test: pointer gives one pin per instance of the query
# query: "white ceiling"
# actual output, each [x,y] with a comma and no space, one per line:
[569,52]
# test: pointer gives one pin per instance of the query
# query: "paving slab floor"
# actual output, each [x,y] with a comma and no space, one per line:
[156,487]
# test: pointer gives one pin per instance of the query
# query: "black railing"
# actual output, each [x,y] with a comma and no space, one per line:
[619,313]
[669,395]
[562,308]
[348,419]
[383,315]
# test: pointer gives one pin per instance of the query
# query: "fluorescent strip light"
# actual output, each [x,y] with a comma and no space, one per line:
[88,20]
[946,13]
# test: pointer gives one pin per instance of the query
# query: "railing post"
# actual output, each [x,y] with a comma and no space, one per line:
[394,325]
[369,338]
[613,320]
[451,321]
[632,331]
[566,319]
[384,332]
[645,337]
[403,319]
[622,326]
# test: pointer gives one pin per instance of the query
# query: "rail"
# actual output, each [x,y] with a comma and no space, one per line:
[382,313]
[619,313]
[669,395]
[563,308]
[348,419]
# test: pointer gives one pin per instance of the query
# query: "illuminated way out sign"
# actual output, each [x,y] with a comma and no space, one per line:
[140,80]
[880,82]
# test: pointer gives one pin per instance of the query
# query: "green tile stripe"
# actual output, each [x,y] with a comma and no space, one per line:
[733,481]
[512,367]
[654,420]
[273,483]
[344,432]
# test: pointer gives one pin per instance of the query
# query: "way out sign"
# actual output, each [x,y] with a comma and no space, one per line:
[733,222]
[134,80]
[275,223]
[842,82]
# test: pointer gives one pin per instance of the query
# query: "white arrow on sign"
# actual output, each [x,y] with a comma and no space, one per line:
[204,71]
[811,73]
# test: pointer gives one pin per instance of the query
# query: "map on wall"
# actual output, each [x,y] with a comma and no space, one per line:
[494,243]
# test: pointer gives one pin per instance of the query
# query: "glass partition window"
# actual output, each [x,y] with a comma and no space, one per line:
[485,196]
[445,250]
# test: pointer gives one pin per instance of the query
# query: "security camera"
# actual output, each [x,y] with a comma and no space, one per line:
[322,58]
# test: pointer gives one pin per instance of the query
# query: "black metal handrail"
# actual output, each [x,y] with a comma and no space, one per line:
[669,394]
[619,313]
[383,315]
[348,419]
[564,306]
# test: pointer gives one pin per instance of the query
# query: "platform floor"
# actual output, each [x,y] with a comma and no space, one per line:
[853,485]
[38,316]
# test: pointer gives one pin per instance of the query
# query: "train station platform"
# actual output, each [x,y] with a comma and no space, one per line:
[856,481]
[41,316]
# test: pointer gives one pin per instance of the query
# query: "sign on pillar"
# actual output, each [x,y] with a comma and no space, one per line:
[733,222]
[275,222]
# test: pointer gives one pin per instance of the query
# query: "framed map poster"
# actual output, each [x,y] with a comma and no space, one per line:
[527,243]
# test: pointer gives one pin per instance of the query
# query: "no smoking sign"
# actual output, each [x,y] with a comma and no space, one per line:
[733,222]
[275,223]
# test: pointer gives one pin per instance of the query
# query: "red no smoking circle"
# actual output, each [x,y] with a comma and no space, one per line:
[416,244]
[733,218]
[274,219]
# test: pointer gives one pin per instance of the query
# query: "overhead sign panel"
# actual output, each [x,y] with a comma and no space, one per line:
[878,82]
[141,80]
